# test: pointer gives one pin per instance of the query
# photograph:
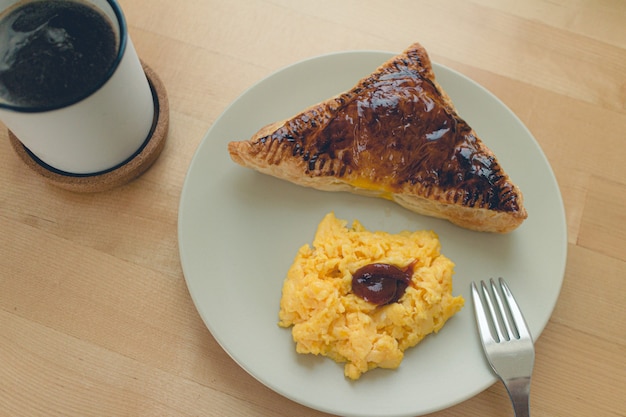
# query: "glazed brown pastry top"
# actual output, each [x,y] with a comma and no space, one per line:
[398,129]
[395,135]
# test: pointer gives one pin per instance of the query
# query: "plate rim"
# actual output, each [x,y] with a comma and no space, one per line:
[383,55]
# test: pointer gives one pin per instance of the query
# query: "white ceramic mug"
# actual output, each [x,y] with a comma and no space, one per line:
[100,131]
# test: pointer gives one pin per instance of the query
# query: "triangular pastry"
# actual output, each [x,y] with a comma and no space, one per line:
[395,135]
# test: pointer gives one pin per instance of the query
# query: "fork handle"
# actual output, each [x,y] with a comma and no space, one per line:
[519,392]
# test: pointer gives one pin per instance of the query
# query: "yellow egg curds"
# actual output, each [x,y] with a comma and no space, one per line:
[328,319]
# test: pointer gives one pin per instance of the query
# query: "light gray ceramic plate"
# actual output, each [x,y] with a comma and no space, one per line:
[239,232]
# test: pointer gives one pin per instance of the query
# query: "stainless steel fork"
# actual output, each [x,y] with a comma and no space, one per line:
[507,343]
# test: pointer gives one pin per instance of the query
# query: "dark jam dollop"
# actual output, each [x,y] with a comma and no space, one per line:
[381,284]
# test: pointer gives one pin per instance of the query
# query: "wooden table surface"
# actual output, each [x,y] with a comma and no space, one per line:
[95,315]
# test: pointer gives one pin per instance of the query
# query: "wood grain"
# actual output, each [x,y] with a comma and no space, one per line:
[95,315]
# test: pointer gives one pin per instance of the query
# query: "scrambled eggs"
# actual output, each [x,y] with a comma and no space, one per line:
[329,319]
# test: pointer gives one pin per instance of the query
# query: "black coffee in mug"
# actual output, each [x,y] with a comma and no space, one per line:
[54,53]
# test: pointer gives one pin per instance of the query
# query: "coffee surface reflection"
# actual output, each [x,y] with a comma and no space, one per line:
[54,53]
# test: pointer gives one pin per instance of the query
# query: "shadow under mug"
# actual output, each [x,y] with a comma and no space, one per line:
[97,130]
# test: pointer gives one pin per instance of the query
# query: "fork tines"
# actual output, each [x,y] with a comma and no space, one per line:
[503,311]
[507,321]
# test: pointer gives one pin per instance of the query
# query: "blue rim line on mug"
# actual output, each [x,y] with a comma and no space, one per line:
[123,35]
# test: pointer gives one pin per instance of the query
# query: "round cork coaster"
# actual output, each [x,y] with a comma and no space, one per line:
[124,173]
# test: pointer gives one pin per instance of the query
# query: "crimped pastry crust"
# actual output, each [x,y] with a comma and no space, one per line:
[395,135]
